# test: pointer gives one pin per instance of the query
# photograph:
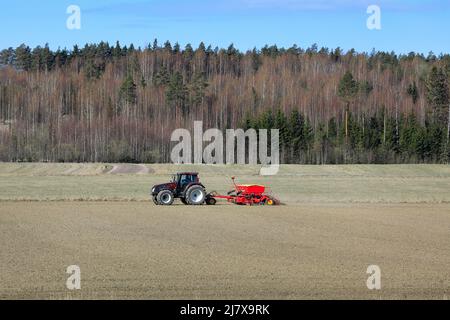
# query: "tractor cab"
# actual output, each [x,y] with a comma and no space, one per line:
[183,179]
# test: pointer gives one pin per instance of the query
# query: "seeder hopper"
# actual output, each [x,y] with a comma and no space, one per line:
[245,194]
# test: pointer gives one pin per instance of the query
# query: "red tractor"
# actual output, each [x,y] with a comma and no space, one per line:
[185,186]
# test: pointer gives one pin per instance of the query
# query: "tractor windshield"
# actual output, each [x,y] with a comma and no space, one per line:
[174,178]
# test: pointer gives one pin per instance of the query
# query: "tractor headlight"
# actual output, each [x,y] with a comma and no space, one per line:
[153,189]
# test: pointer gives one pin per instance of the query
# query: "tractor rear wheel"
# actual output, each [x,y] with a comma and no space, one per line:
[165,198]
[195,195]
[183,200]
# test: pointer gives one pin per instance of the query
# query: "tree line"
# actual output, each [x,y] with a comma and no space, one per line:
[379,139]
[114,103]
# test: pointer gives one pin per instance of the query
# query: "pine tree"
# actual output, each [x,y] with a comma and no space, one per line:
[373,134]
[7,56]
[155,45]
[437,143]
[176,93]
[409,135]
[413,91]
[423,145]
[295,135]
[188,52]
[266,120]
[117,51]
[281,124]
[256,60]
[93,69]
[127,91]
[167,47]
[197,89]
[365,88]
[354,131]
[176,48]
[347,90]
[162,77]
[23,57]
[201,47]
[308,135]
[438,94]
[320,146]
[36,59]
[48,58]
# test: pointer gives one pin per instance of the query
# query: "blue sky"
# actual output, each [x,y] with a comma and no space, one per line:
[407,25]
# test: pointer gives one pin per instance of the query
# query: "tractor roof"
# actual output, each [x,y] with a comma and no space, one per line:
[188,173]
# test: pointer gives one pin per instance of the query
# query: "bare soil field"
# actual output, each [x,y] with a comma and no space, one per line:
[336,222]
[137,250]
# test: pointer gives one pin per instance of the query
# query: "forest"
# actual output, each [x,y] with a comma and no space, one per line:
[118,103]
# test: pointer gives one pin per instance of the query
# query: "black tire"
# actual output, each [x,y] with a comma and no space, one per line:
[155,201]
[195,195]
[211,201]
[184,201]
[165,198]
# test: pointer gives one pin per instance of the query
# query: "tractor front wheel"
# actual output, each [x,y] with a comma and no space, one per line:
[195,195]
[165,198]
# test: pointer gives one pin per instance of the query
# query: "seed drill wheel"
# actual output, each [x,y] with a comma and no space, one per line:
[165,198]
[210,201]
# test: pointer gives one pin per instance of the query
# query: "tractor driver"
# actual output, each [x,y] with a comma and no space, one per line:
[185,180]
